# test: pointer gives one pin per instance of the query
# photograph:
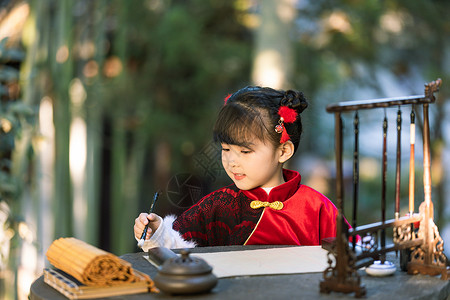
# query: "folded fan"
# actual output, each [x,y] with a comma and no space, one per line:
[90,265]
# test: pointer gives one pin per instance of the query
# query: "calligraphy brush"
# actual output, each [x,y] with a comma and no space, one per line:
[144,233]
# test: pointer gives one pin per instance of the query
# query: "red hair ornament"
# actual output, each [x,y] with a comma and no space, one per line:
[226,99]
[287,115]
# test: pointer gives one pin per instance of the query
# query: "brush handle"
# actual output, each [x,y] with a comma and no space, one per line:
[144,233]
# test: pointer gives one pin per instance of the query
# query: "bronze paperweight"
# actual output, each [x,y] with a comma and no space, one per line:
[185,275]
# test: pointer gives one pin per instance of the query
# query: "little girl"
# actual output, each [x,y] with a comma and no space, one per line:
[259,130]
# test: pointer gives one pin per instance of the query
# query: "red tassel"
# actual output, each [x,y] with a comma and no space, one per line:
[288,114]
[284,136]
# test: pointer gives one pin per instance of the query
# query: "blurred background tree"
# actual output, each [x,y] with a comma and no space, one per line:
[116,99]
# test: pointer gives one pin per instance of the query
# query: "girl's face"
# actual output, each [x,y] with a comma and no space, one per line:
[258,165]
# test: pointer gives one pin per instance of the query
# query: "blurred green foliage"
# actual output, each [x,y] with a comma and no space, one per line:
[155,73]
[180,61]
[147,78]
[13,113]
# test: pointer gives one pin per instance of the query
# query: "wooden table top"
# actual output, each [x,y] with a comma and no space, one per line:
[301,286]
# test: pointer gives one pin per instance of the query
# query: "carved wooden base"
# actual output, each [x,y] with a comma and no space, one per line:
[432,270]
[342,276]
[349,286]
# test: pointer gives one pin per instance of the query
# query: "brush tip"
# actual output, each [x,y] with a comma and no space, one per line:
[141,243]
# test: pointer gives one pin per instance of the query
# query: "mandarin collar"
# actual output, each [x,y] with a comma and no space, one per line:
[279,193]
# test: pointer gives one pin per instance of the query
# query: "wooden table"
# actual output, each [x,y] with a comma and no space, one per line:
[298,286]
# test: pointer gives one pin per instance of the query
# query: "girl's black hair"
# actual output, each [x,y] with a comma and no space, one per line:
[252,112]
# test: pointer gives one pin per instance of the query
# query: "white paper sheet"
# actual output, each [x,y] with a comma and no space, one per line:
[289,260]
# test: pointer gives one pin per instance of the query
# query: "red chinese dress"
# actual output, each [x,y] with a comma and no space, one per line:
[225,217]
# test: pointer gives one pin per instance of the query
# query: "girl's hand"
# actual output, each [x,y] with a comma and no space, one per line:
[152,219]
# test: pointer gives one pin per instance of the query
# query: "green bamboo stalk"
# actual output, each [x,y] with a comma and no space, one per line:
[94,111]
[118,203]
[133,184]
[61,75]
[24,205]
[119,230]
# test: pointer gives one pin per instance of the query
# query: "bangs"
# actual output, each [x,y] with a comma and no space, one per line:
[239,125]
